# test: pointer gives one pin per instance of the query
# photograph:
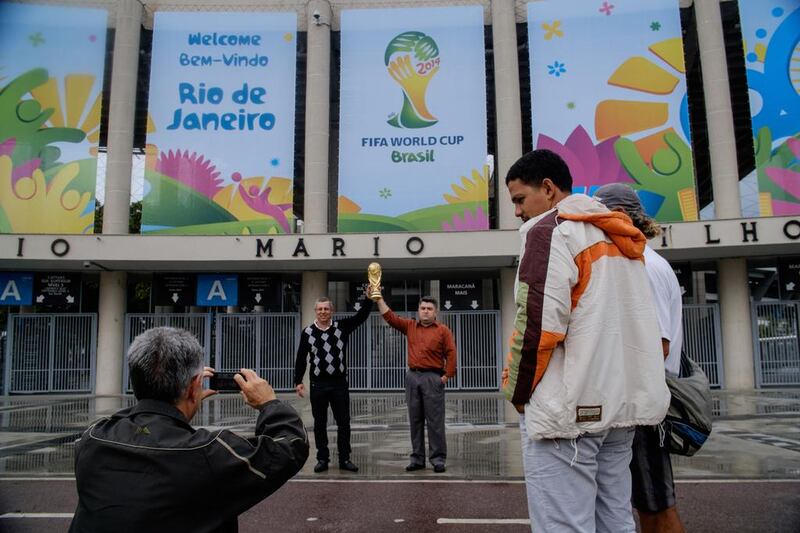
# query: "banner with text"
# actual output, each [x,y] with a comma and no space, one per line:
[412,141]
[771,33]
[52,61]
[220,145]
[608,94]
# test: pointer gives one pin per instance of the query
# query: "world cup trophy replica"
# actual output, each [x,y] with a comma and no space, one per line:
[374,277]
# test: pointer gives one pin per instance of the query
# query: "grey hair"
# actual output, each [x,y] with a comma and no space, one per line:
[162,363]
[322,300]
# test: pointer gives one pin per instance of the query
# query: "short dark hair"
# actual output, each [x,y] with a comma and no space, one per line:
[533,167]
[163,362]
[429,300]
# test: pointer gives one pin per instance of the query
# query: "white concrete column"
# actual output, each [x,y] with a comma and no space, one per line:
[317,116]
[736,322]
[507,103]
[734,291]
[113,285]
[110,332]
[721,136]
[315,285]
[122,108]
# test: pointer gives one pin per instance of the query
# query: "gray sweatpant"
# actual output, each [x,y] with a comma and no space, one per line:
[581,485]
[425,400]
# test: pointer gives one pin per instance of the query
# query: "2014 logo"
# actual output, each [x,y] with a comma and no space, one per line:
[412,60]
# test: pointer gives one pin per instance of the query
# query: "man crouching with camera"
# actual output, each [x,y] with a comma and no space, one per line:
[146,468]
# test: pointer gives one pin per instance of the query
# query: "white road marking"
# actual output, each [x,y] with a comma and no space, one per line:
[483,521]
[37,515]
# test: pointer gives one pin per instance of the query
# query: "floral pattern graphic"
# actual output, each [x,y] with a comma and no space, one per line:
[467,221]
[556,69]
[552,30]
[590,164]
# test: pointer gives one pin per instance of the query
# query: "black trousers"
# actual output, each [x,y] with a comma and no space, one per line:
[337,395]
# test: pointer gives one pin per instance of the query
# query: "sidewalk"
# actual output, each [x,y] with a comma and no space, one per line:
[756,435]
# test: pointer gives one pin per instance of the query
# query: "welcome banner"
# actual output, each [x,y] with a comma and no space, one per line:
[412,142]
[771,33]
[608,93]
[51,81]
[220,153]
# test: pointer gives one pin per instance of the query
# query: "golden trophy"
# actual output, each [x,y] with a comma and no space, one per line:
[374,277]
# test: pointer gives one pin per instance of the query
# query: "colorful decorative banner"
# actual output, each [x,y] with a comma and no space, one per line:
[412,142]
[220,153]
[51,80]
[608,93]
[771,33]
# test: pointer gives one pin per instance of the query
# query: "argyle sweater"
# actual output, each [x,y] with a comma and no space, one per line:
[325,349]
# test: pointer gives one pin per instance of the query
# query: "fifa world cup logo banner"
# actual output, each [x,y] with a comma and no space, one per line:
[412,59]
[412,150]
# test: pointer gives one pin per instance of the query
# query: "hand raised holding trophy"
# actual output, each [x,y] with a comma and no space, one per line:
[374,277]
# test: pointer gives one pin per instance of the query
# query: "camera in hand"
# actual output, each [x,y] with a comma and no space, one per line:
[223,382]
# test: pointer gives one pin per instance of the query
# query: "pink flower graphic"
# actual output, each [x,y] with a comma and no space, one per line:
[467,221]
[589,165]
[191,170]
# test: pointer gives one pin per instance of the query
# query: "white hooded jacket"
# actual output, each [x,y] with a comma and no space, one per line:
[586,351]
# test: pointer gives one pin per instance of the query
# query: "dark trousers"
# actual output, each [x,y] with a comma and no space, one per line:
[337,395]
[425,400]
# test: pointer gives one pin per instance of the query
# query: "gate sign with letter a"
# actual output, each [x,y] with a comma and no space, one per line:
[16,288]
[217,289]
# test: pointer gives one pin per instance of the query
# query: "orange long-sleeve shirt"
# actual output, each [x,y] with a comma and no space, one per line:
[430,347]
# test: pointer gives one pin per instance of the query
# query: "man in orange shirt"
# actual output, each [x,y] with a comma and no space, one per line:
[431,362]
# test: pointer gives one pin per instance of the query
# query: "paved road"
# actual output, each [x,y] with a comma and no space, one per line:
[427,506]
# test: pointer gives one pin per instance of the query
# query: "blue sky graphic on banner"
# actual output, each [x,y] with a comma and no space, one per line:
[608,93]
[412,144]
[51,76]
[220,154]
[771,33]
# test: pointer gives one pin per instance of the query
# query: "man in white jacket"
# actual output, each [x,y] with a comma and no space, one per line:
[584,367]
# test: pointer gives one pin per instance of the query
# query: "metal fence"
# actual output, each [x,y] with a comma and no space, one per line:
[266,343]
[56,352]
[776,344]
[377,353]
[702,339]
[199,324]
[50,353]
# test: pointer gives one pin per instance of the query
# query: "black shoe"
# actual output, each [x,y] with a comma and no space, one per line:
[348,465]
[321,466]
[439,468]
[414,466]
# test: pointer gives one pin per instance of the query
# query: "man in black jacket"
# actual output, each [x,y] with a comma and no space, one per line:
[324,343]
[146,468]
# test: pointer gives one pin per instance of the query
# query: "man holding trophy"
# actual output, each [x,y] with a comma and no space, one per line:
[323,344]
[431,362]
